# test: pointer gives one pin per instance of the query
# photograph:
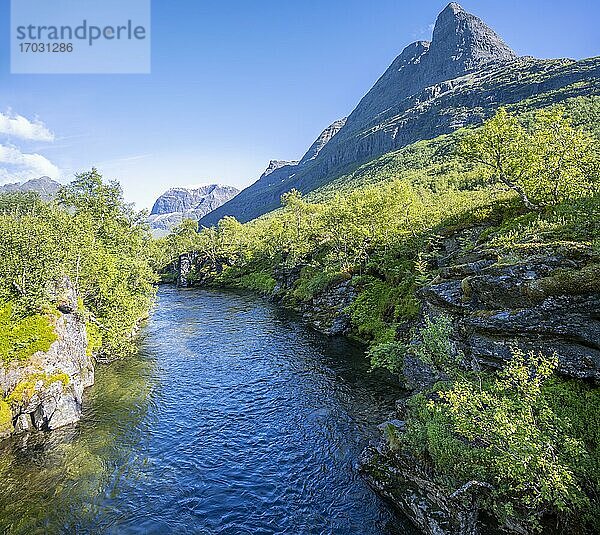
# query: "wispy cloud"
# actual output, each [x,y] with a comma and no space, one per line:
[16,165]
[123,160]
[23,128]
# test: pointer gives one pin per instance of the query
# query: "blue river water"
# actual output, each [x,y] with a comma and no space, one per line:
[234,418]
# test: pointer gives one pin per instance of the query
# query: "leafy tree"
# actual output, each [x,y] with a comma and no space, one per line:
[90,235]
[501,147]
[547,163]
[565,163]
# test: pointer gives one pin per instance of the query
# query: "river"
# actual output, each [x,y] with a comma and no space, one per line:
[234,418]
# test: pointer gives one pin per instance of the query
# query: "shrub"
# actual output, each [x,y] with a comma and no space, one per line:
[436,348]
[507,430]
[258,282]
[314,281]
[388,355]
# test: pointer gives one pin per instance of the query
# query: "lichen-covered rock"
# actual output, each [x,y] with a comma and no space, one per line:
[546,299]
[46,391]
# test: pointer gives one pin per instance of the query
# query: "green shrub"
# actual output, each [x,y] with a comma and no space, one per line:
[436,348]
[258,282]
[517,431]
[372,312]
[314,281]
[94,338]
[388,355]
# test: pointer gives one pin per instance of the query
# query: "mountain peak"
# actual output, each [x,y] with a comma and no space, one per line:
[452,9]
[44,185]
[463,42]
[278,164]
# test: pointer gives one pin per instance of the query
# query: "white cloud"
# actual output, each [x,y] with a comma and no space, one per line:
[21,127]
[18,166]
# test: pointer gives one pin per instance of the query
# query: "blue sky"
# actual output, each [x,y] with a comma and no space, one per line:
[237,83]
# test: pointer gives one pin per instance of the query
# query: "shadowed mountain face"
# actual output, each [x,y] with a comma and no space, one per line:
[459,78]
[45,186]
[177,204]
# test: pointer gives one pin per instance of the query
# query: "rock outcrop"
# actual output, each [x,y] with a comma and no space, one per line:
[326,311]
[177,204]
[278,164]
[46,392]
[459,78]
[411,487]
[543,299]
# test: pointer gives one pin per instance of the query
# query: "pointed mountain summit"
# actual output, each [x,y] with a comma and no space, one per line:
[463,42]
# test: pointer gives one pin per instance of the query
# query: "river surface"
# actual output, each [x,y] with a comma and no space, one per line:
[233,419]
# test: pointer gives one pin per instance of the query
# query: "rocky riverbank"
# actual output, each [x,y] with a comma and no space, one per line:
[46,391]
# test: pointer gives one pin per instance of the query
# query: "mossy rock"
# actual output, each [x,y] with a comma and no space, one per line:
[26,388]
[571,281]
[21,337]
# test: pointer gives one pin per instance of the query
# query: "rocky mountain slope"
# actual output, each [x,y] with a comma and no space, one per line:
[178,204]
[431,88]
[45,186]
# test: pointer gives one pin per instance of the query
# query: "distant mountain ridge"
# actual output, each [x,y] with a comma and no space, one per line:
[459,78]
[45,186]
[178,204]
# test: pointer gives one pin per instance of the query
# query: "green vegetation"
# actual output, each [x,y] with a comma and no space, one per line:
[435,346]
[532,180]
[259,282]
[523,431]
[6,425]
[380,225]
[546,163]
[88,235]
[313,281]
[25,389]
[21,337]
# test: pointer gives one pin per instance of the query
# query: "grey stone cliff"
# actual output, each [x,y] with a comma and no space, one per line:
[177,204]
[55,380]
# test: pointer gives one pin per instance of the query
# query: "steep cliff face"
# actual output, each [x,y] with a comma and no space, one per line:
[177,204]
[459,78]
[46,392]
